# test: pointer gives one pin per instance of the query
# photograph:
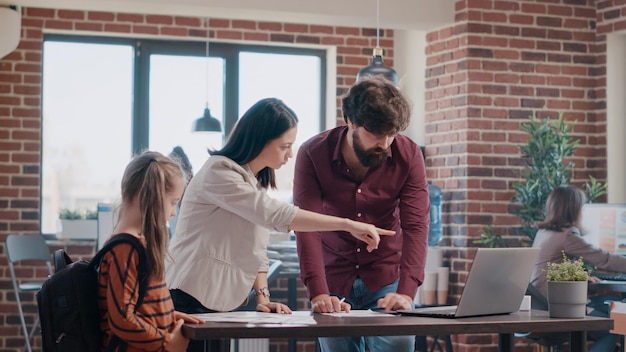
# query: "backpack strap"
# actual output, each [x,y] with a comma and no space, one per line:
[61,260]
[143,260]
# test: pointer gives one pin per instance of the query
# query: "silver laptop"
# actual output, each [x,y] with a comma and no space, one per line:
[496,284]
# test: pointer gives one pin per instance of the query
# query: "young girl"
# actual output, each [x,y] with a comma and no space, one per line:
[561,232]
[151,187]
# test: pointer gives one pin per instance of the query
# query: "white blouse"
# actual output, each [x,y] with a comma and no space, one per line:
[222,234]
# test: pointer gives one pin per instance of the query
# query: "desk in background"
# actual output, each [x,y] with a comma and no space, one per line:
[606,285]
[328,326]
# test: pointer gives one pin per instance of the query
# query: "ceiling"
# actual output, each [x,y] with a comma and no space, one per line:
[394,14]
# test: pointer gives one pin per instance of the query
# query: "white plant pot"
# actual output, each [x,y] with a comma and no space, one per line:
[567,299]
[78,229]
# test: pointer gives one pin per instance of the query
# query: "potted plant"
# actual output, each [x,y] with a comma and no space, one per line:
[567,288]
[78,224]
[546,166]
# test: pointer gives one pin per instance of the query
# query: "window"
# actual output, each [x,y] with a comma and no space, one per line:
[107,98]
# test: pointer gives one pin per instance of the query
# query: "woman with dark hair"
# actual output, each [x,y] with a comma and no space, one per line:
[560,233]
[219,249]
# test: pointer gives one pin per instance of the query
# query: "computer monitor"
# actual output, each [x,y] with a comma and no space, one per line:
[604,226]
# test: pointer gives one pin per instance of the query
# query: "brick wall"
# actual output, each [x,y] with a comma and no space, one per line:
[500,63]
[20,101]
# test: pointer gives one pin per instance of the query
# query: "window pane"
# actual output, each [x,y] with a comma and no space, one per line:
[178,96]
[86,132]
[296,80]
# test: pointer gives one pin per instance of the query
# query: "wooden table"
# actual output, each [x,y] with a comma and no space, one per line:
[328,326]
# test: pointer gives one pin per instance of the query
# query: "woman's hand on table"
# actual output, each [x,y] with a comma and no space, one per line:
[273,307]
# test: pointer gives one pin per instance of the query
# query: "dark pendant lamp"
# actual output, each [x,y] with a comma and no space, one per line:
[377,67]
[207,123]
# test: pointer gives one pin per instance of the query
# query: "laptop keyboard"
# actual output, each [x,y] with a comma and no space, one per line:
[610,276]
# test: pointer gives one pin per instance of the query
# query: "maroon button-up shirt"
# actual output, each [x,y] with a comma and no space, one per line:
[392,196]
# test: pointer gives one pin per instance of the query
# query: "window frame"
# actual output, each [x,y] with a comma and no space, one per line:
[229,51]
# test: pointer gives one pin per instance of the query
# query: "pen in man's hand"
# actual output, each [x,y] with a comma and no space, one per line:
[340,301]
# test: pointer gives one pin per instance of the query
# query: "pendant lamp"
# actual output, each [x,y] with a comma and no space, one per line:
[207,123]
[377,67]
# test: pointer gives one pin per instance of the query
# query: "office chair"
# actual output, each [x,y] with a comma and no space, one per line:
[27,248]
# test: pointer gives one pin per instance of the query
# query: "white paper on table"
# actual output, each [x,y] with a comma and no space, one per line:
[296,318]
[361,313]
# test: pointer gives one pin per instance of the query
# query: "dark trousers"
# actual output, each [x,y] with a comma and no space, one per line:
[183,302]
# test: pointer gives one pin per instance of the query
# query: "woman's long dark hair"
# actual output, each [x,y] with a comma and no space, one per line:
[266,120]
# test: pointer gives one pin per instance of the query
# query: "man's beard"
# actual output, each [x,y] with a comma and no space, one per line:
[368,158]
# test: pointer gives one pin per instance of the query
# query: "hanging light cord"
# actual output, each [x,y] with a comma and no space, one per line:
[377,21]
[206,25]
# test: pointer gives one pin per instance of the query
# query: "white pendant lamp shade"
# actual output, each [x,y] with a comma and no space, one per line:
[10,28]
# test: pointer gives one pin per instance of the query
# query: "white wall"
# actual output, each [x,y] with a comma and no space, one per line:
[410,64]
[616,117]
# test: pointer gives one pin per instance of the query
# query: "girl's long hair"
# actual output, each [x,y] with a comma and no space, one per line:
[148,178]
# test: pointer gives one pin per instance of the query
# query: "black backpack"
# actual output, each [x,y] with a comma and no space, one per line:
[68,301]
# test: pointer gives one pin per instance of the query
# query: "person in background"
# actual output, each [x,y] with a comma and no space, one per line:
[178,155]
[364,171]
[151,187]
[560,233]
[219,251]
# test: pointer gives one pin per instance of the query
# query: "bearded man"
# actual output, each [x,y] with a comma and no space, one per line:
[365,171]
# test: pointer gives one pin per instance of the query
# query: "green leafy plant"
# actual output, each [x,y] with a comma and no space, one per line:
[67,214]
[545,153]
[568,270]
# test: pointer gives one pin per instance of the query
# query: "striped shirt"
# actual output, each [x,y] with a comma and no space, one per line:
[118,292]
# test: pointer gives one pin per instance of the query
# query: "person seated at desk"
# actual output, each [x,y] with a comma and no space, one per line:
[560,233]
[178,155]
[219,250]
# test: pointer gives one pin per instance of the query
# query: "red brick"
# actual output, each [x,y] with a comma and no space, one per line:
[145,29]
[89,26]
[39,12]
[240,24]
[100,16]
[55,24]
[71,15]
[188,21]
[159,19]
[322,29]
[256,36]
[174,31]
[296,28]
[126,17]
[224,34]
[270,26]
[119,28]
